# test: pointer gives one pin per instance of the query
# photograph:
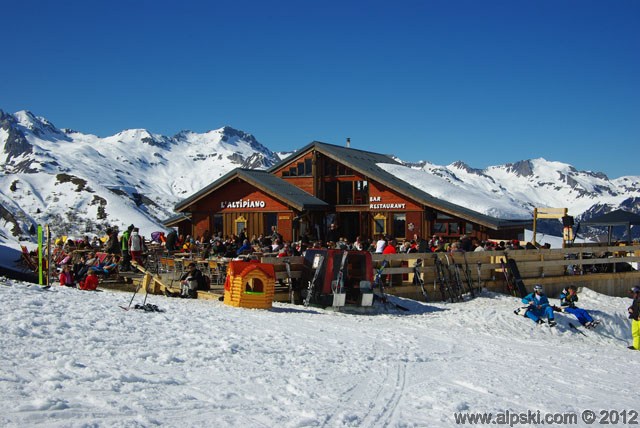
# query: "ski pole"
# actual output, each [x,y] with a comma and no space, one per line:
[144,302]
[132,297]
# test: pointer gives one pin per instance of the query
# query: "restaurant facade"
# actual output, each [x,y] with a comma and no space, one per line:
[323,184]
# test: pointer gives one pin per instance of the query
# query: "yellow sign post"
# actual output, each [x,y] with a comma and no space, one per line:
[547,213]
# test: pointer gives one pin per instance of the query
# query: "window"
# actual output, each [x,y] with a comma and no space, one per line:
[331,192]
[468,228]
[343,170]
[270,219]
[308,166]
[399,224]
[329,169]
[446,228]
[217,223]
[440,228]
[240,225]
[345,197]
[379,224]
[361,192]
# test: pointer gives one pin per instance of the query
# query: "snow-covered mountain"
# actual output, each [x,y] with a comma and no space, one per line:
[80,183]
[514,189]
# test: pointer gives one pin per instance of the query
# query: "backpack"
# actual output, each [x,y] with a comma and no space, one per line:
[204,282]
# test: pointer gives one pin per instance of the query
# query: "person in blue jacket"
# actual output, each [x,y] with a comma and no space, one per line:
[538,306]
[246,248]
[568,299]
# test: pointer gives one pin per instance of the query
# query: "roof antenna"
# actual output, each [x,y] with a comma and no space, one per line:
[348,142]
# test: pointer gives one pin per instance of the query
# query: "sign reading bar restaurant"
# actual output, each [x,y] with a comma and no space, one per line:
[243,203]
[381,206]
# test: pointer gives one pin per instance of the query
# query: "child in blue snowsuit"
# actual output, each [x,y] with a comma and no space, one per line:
[568,299]
[538,306]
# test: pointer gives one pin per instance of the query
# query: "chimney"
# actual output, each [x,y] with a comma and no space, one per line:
[348,142]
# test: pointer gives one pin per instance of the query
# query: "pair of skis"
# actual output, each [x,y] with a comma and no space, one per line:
[379,284]
[463,279]
[447,279]
[513,280]
[417,279]
[147,307]
[311,289]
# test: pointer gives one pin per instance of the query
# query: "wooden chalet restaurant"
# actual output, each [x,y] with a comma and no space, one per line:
[321,184]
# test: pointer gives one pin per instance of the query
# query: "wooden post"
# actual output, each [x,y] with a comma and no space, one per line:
[40,273]
[48,254]
[535,219]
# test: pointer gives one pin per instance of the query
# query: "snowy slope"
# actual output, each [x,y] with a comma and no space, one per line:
[73,358]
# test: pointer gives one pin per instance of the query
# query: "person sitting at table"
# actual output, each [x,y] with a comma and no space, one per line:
[245,248]
[190,282]
[106,267]
[218,248]
[85,262]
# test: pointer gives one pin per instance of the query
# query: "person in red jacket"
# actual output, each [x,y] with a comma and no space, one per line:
[91,282]
[390,249]
[66,277]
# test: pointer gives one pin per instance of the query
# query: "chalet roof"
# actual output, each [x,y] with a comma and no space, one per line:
[615,218]
[366,163]
[265,181]
[177,219]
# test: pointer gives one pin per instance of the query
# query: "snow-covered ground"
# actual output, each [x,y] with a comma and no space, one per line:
[76,359]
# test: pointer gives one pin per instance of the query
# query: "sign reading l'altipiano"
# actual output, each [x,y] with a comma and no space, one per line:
[375,203]
[243,203]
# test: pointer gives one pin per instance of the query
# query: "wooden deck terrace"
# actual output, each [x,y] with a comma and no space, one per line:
[598,268]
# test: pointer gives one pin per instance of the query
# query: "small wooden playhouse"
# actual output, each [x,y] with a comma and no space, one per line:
[250,285]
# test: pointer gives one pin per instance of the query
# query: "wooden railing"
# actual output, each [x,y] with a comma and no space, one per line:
[553,267]
[486,267]
[531,263]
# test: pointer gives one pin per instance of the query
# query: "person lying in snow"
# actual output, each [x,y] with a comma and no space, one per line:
[568,299]
[538,306]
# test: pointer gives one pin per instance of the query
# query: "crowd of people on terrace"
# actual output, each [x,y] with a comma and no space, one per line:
[215,245]
[106,257]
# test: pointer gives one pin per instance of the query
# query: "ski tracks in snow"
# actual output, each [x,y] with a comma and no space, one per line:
[379,397]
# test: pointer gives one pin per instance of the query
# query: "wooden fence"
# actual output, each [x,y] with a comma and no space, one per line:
[611,270]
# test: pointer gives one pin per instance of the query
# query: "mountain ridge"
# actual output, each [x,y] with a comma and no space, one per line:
[81,183]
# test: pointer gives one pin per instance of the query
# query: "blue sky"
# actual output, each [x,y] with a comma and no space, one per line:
[486,82]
